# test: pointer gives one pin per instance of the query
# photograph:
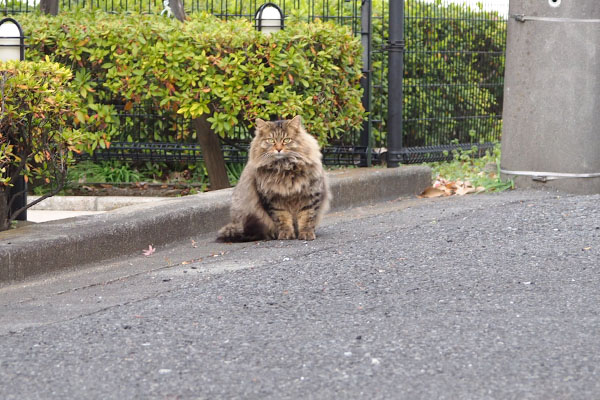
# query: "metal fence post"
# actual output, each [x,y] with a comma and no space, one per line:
[395,76]
[366,33]
[17,194]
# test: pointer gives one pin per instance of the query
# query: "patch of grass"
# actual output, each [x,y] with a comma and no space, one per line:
[104,172]
[482,170]
[118,173]
[234,171]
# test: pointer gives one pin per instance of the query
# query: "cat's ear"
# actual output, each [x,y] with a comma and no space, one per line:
[295,123]
[260,125]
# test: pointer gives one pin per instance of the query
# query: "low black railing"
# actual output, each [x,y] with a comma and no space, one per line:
[192,153]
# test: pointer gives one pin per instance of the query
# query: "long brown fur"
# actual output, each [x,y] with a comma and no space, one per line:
[283,191]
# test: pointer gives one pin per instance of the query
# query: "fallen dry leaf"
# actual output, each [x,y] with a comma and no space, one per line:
[463,189]
[432,192]
[149,252]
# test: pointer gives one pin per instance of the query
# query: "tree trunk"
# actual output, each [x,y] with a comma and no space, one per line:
[17,194]
[212,153]
[4,209]
[207,138]
[49,6]
[177,9]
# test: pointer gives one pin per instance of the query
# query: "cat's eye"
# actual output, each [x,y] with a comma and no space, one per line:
[286,140]
[270,141]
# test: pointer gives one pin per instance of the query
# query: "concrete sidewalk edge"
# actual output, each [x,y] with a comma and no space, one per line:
[52,246]
[90,203]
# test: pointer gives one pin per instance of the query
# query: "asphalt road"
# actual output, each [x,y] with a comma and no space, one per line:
[479,297]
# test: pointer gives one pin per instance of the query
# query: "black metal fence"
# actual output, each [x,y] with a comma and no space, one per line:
[451,78]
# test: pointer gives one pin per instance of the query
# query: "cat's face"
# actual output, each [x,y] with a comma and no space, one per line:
[278,140]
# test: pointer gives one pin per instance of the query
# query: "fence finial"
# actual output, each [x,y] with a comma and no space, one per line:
[167,9]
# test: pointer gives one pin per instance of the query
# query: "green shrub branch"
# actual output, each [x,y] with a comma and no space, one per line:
[42,124]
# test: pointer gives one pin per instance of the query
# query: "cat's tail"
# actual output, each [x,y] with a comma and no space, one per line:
[250,230]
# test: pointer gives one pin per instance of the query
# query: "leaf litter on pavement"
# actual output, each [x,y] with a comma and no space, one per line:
[443,187]
[469,171]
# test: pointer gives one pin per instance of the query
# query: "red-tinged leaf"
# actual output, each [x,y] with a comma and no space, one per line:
[170,86]
[291,78]
[128,106]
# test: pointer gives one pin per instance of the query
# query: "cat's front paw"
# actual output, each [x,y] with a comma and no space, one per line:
[286,235]
[229,232]
[307,235]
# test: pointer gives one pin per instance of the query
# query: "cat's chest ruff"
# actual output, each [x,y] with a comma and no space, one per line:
[286,182]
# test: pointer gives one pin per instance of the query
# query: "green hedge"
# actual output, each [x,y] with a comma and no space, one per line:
[224,69]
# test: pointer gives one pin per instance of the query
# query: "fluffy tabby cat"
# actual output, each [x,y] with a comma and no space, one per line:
[282,192]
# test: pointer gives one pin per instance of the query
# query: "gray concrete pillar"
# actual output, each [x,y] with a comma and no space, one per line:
[551,116]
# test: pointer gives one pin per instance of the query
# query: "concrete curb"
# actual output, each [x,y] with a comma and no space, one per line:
[56,245]
[91,203]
